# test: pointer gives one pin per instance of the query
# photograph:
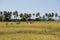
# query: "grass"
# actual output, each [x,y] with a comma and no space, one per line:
[28,37]
[36,31]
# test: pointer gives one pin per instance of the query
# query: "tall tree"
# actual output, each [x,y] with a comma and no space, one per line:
[38,14]
[52,14]
[49,15]
[10,14]
[29,15]
[7,15]
[26,16]
[46,14]
[58,17]
[56,14]
[43,17]
[1,15]
[15,13]
[21,16]
[33,15]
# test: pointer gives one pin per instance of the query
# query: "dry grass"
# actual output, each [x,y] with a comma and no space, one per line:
[36,31]
[28,37]
[48,24]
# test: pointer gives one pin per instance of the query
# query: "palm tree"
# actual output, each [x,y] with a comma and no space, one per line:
[56,14]
[52,14]
[10,13]
[26,16]
[0,12]
[49,15]
[40,17]
[58,17]
[5,15]
[29,15]
[33,15]
[46,14]
[1,16]
[15,13]
[21,16]
[43,17]
[38,14]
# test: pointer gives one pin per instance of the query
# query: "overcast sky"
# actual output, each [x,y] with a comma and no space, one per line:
[31,6]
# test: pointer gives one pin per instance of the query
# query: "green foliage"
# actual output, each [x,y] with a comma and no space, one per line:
[51,19]
[26,16]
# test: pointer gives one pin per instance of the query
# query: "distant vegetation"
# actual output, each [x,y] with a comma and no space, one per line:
[7,16]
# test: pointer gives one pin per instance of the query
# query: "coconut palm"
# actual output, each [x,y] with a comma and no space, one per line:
[56,14]
[15,13]
[52,14]
[43,17]
[29,15]
[7,15]
[38,14]
[26,16]
[58,17]
[21,16]
[33,15]
[1,15]
[49,15]
[0,12]
[10,13]
[46,14]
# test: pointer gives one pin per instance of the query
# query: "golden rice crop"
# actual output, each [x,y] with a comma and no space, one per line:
[19,31]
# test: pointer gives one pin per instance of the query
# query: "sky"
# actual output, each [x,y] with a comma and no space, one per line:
[31,6]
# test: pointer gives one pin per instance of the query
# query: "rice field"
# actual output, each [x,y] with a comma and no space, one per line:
[43,30]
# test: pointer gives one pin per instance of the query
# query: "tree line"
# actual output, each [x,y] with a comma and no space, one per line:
[7,16]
